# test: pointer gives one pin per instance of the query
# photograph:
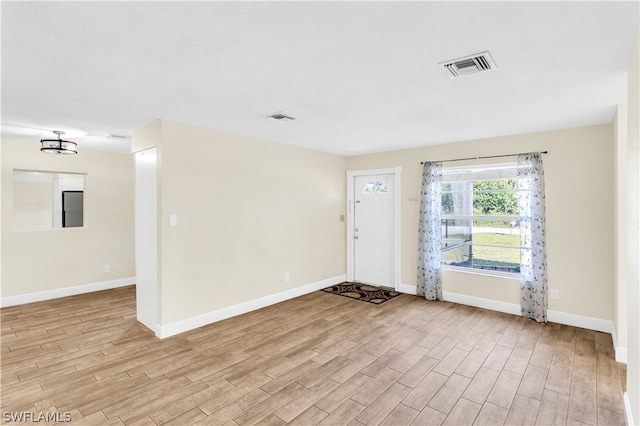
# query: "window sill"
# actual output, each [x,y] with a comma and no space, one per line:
[486,272]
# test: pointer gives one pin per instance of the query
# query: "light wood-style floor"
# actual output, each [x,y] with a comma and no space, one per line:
[316,359]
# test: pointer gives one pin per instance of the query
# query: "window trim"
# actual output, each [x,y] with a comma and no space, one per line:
[475,173]
[479,271]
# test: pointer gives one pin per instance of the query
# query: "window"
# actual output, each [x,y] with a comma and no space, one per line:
[376,187]
[480,218]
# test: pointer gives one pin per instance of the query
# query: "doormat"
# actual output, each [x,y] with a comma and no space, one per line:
[362,292]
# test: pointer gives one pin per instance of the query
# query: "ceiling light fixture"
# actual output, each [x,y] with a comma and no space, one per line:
[58,146]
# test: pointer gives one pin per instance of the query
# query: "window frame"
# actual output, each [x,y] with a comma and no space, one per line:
[489,172]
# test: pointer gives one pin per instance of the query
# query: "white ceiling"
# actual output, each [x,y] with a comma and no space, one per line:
[359,76]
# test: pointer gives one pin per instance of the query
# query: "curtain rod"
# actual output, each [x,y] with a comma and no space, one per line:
[481,158]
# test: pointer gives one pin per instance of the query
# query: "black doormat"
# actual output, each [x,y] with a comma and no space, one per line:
[363,292]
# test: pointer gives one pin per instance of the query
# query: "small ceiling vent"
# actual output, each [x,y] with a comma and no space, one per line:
[468,65]
[114,136]
[280,117]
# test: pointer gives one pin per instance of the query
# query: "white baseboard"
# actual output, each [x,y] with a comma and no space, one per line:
[581,321]
[627,409]
[406,288]
[479,302]
[621,353]
[21,299]
[463,299]
[177,327]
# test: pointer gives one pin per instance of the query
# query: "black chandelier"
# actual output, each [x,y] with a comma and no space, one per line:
[58,146]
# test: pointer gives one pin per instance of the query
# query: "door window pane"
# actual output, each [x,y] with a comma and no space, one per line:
[376,187]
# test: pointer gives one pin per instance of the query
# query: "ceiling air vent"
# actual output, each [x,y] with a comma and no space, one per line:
[280,117]
[468,65]
[114,136]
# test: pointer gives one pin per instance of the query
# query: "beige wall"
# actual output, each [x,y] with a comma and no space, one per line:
[147,136]
[35,261]
[580,214]
[248,211]
[32,205]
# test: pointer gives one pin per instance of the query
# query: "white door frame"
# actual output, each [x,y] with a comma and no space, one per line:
[350,224]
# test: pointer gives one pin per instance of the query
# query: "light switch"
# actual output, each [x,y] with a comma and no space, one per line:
[173,220]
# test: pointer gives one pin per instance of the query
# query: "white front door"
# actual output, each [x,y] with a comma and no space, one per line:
[374,229]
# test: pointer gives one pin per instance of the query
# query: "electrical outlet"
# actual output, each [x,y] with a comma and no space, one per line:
[554,293]
[286,277]
[107,269]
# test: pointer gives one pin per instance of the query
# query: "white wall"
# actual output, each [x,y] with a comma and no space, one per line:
[580,215]
[248,211]
[53,259]
[633,242]
[146,224]
[620,320]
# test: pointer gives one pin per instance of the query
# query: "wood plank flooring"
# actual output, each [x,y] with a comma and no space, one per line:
[317,359]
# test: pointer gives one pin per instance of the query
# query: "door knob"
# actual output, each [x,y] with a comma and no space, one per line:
[355,237]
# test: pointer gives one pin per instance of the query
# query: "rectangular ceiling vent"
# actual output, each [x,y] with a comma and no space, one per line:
[281,117]
[468,65]
[114,136]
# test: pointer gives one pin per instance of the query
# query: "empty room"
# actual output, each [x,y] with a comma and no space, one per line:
[320,212]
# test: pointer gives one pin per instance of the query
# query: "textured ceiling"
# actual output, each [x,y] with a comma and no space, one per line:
[359,76]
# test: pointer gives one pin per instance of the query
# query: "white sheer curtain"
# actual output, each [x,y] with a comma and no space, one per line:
[533,258]
[429,281]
